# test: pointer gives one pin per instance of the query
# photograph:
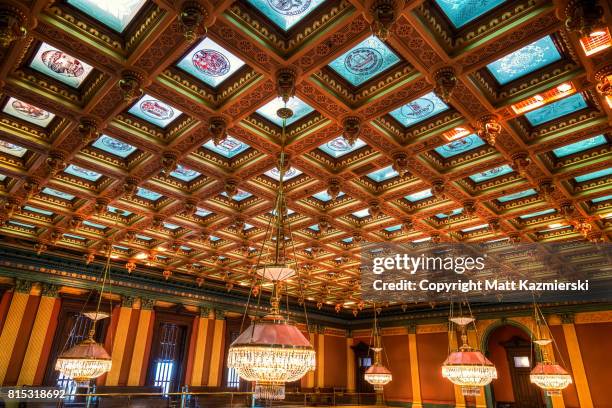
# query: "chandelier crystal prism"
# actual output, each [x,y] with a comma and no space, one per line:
[468,367]
[272,351]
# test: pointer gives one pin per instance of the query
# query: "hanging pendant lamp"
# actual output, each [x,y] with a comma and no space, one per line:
[88,359]
[377,374]
[272,351]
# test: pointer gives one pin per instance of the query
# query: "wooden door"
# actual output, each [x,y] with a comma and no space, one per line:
[521,361]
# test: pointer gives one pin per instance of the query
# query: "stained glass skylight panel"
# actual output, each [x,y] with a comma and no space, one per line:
[347,240]
[38,210]
[60,66]
[475,228]
[420,195]
[115,14]
[147,194]
[94,225]
[460,146]
[364,61]
[339,147]
[285,14]
[516,196]
[2,177]
[362,213]
[73,236]
[383,174]
[324,196]
[491,173]
[456,211]
[119,211]
[201,212]
[154,111]
[28,112]
[21,224]
[537,213]
[12,149]
[419,109]
[239,196]
[580,146]
[228,148]
[171,226]
[289,174]
[600,199]
[143,237]
[210,63]
[314,227]
[114,146]
[525,60]
[183,173]
[394,228]
[299,108]
[81,172]
[556,109]
[461,12]
[58,194]
[594,175]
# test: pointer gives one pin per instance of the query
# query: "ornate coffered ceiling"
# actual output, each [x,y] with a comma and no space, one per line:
[126,123]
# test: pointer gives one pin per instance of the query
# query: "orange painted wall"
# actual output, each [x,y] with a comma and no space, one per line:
[5,303]
[398,361]
[335,361]
[129,347]
[23,337]
[432,349]
[502,387]
[595,345]
[570,396]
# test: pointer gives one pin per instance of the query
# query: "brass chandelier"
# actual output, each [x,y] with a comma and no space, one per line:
[377,374]
[88,359]
[272,351]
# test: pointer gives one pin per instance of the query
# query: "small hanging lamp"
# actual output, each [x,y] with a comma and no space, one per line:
[377,374]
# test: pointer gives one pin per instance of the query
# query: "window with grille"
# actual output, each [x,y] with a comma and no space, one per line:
[79,332]
[167,360]
[233,379]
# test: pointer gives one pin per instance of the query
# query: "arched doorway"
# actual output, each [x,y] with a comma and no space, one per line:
[509,348]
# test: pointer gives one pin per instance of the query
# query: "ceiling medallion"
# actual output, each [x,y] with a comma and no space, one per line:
[169,161]
[56,161]
[400,163]
[193,19]
[604,83]
[384,13]
[88,129]
[12,24]
[489,128]
[285,82]
[352,127]
[333,188]
[363,61]
[445,82]
[130,84]
[585,17]
[520,162]
[437,189]
[217,127]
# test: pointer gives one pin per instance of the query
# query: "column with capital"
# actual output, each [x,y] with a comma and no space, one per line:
[201,329]
[217,357]
[14,318]
[120,338]
[575,357]
[143,338]
[320,371]
[417,402]
[44,327]
[351,381]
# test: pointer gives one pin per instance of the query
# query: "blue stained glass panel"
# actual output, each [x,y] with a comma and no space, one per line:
[314,227]
[239,196]
[21,224]
[77,237]
[383,174]
[94,225]
[12,149]
[556,109]
[516,196]
[147,194]
[82,173]
[171,226]
[491,173]
[420,195]
[289,174]
[362,213]
[459,146]
[119,211]
[210,62]
[580,146]
[600,199]
[594,175]
[394,228]
[347,240]
[324,196]
[299,108]
[183,173]
[525,60]
[38,210]
[285,14]
[143,237]
[27,112]
[474,228]
[60,65]
[59,194]
[201,212]
[114,146]
[154,111]
[456,211]
[364,61]
[419,109]
[2,177]
[339,147]
[228,148]
[116,14]
[538,213]
[461,12]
